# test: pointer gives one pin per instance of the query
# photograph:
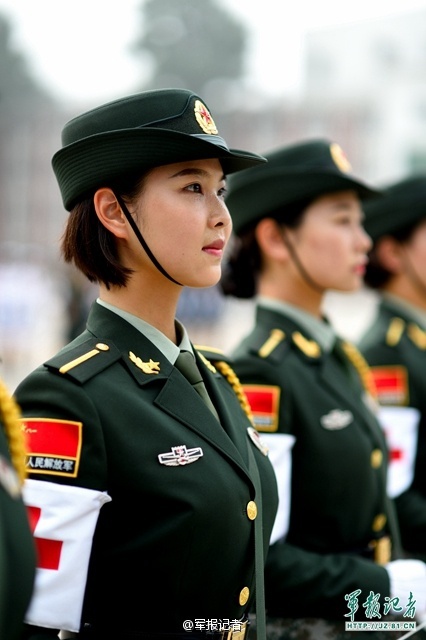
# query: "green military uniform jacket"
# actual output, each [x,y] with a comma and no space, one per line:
[339,506]
[17,552]
[175,540]
[395,347]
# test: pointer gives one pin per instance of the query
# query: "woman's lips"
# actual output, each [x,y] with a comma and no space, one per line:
[215,248]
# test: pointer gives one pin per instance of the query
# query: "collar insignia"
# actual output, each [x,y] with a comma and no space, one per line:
[417,335]
[309,347]
[147,367]
[180,456]
[395,331]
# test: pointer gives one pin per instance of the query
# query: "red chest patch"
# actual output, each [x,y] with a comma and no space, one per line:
[391,385]
[54,446]
[264,402]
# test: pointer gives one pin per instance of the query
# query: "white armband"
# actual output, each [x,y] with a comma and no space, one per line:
[63,520]
[400,426]
[280,446]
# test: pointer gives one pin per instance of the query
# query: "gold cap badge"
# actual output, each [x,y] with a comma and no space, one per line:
[204,119]
[339,158]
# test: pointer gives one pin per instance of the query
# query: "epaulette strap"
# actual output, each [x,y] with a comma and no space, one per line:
[235,383]
[395,331]
[276,336]
[100,346]
[208,364]
[362,366]
[84,360]
[11,417]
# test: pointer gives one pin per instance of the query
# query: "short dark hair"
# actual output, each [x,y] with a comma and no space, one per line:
[376,275]
[241,270]
[89,245]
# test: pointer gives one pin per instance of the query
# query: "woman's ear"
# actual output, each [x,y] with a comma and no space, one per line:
[389,253]
[109,212]
[269,237]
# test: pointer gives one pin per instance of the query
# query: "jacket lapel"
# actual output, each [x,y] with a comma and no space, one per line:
[325,370]
[148,366]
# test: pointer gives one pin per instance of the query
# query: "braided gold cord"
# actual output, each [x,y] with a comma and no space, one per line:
[235,383]
[362,366]
[11,418]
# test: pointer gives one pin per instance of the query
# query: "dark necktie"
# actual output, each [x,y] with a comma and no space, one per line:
[188,367]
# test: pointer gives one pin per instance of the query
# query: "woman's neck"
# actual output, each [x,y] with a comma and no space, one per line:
[412,292]
[151,304]
[299,295]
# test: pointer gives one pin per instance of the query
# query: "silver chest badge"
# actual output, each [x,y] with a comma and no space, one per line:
[255,437]
[336,419]
[180,456]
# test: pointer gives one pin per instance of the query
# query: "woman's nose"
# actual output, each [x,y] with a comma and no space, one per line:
[368,243]
[220,215]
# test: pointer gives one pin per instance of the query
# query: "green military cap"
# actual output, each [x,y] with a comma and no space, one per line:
[403,204]
[137,133]
[294,173]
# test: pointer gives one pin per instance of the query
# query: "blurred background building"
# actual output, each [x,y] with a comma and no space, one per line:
[364,85]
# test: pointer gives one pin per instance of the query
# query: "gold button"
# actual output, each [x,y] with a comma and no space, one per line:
[251,510]
[244,596]
[379,522]
[376,458]
[102,347]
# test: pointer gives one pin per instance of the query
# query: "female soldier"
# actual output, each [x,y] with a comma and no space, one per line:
[17,552]
[298,222]
[395,343]
[146,493]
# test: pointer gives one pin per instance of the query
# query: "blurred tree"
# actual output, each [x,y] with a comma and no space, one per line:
[194,44]
[18,89]
[28,114]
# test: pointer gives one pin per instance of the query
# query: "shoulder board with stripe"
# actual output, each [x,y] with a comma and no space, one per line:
[268,344]
[85,360]
[275,338]
[212,354]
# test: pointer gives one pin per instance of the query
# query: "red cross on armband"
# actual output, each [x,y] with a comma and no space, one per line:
[48,551]
[395,454]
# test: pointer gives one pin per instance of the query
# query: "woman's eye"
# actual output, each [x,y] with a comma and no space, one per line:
[222,192]
[344,220]
[195,187]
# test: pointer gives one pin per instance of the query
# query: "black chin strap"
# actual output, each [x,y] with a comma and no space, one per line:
[305,275]
[142,241]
